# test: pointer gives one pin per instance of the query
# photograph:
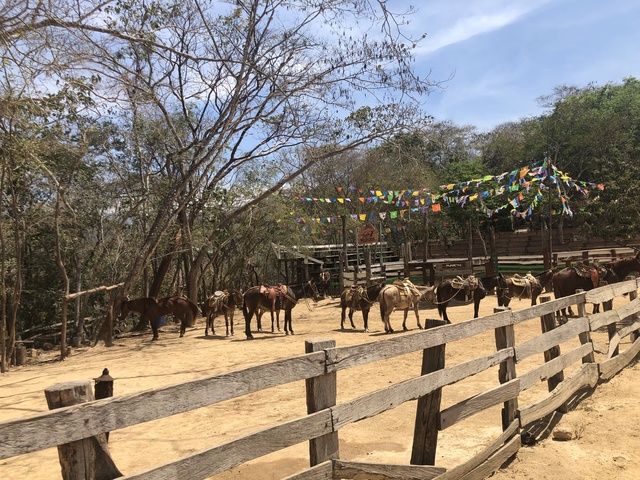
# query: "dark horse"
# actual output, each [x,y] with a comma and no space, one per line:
[261,298]
[359,298]
[517,287]
[152,308]
[568,280]
[224,303]
[450,289]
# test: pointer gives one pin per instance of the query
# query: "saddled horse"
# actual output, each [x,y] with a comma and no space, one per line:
[261,298]
[153,308]
[586,277]
[395,296]
[361,298]
[222,302]
[519,287]
[461,289]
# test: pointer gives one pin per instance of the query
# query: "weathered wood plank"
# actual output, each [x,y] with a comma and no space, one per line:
[389,398]
[550,339]
[494,463]
[82,421]
[608,292]
[478,403]
[558,364]
[346,357]
[212,461]
[321,393]
[620,314]
[610,367]
[586,375]
[322,471]
[377,471]
[614,342]
[546,308]
[491,449]
[599,320]
[425,427]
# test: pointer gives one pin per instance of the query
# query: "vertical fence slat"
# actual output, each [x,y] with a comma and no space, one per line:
[585,337]
[547,323]
[322,393]
[506,338]
[85,459]
[427,424]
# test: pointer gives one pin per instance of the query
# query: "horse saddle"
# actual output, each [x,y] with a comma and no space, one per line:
[594,272]
[274,293]
[217,299]
[468,284]
[527,281]
[355,293]
[407,289]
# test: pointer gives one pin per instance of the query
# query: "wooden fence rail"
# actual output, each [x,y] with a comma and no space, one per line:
[319,369]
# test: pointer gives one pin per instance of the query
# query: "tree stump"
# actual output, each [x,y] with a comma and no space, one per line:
[88,458]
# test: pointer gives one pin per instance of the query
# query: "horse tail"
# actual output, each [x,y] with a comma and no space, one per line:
[194,309]
[441,305]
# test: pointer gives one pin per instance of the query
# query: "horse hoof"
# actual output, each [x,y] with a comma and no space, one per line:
[405,329]
[154,339]
[292,332]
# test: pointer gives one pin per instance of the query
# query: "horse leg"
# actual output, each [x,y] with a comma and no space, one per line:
[415,310]
[404,322]
[353,325]
[247,322]
[342,317]
[183,325]
[154,328]
[287,322]
[365,318]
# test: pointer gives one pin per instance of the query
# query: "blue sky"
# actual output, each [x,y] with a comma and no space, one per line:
[505,54]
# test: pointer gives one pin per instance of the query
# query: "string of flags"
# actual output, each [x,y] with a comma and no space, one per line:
[517,182]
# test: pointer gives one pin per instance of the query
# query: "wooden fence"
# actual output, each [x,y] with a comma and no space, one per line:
[324,360]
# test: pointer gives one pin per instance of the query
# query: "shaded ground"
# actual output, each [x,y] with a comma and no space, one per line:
[604,422]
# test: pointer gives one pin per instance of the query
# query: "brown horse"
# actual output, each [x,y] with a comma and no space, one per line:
[153,308]
[394,296]
[222,303]
[359,299]
[260,299]
[568,280]
[449,290]
[529,286]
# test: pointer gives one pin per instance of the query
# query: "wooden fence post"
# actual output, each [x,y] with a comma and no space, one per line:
[322,393]
[506,338]
[89,458]
[585,337]
[634,335]
[425,433]
[547,323]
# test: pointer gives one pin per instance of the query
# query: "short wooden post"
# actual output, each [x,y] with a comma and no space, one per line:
[635,334]
[585,337]
[89,458]
[547,323]
[322,392]
[506,338]
[427,424]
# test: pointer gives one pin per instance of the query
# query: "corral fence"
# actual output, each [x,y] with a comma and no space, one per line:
[82,427]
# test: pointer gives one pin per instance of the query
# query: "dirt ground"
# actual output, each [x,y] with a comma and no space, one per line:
[605,445]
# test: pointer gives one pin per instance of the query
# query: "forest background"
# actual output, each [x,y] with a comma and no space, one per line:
[164,145]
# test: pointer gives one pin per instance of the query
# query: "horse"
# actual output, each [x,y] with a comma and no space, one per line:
[395,296]
[359,298]
[529,286]
[261,298]
[462,289]
[570,279]
[152,308]
[324,279]
[222,303]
